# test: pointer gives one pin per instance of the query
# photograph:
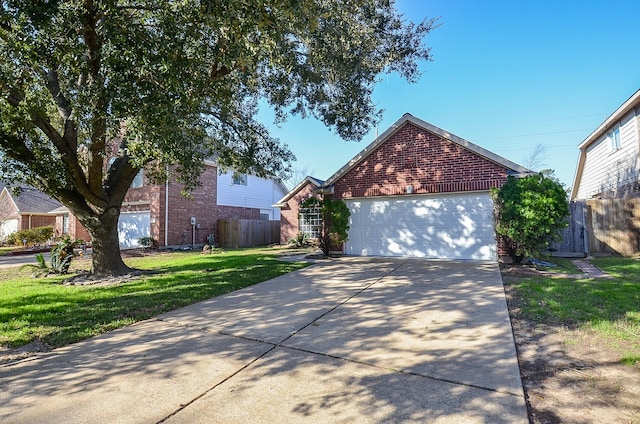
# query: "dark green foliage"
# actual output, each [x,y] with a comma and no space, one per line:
[32,236]
[335,221]
[530,212]
[300,240]
[148,242]
[42,263]
[161,84]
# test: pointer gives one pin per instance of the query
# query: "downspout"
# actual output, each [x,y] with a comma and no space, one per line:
[166,210]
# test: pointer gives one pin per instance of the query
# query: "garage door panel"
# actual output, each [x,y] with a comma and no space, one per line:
[446,226]
[133,226]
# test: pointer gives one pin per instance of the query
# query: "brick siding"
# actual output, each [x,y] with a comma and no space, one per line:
[425,161]
[202,204]
[289,214]
[32,221]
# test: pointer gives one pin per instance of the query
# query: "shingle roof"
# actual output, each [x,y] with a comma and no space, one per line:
[293,191]
[30,200]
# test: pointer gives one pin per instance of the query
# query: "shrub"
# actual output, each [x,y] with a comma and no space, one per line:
[148,242]
[529,214]
[62,254]
[32,236]
[300,240]
[335,221]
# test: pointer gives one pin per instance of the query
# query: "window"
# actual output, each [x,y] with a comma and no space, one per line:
[65,224]
[614,138]
[310,221]
[240,179]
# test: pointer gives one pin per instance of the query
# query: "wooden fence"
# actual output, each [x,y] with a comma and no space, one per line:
[614,226]
[574,242]
[602,226]
[234,233]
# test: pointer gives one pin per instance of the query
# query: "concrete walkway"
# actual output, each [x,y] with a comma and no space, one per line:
[353,340]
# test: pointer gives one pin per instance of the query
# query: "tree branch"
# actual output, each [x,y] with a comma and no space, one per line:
[91,38]
[64,108]
[98,125]
[20,151]
[138,7]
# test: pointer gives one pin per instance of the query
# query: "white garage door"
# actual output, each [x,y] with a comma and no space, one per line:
[453,226]
[132,226]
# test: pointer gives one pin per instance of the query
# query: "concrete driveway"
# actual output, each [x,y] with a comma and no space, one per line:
[353,340]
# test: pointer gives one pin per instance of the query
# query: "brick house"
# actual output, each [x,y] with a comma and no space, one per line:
[415,191]
[28,209]
[291,221]
[160,211]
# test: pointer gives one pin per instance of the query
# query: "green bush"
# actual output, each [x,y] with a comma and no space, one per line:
[148,242]
[300,240]
[530,212]
[32,236]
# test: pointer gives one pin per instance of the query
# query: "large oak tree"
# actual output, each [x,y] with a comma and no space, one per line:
[163,84]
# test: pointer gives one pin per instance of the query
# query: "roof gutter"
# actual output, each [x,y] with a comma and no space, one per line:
[625,108]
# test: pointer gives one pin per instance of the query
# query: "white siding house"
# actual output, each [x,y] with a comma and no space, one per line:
[609,164]
[249,191]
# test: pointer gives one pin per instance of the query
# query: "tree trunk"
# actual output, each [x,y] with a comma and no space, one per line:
[106,258]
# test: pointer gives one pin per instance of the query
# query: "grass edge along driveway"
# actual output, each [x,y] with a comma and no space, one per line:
[47,310]
[610,307]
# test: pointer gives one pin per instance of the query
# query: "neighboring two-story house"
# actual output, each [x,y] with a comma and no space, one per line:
[609,165]
[160,211]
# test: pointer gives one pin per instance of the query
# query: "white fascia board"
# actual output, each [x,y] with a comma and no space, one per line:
[619,113]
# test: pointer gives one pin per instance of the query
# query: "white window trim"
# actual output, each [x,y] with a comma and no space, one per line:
[311,224]
[239,179]
[613,136]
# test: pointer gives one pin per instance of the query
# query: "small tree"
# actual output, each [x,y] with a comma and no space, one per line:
[529,214]
[335,221]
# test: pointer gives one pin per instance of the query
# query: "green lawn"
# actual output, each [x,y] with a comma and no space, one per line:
[5,250]
[58,314]
[610,307]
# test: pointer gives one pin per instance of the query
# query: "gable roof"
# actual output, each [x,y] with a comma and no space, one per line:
[619,113]
[408,118]
[308,179]
[31,200]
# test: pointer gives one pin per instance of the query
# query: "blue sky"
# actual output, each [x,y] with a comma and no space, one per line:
[505,75]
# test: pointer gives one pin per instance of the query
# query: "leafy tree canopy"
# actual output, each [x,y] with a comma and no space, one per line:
[530,212]
[162,83]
